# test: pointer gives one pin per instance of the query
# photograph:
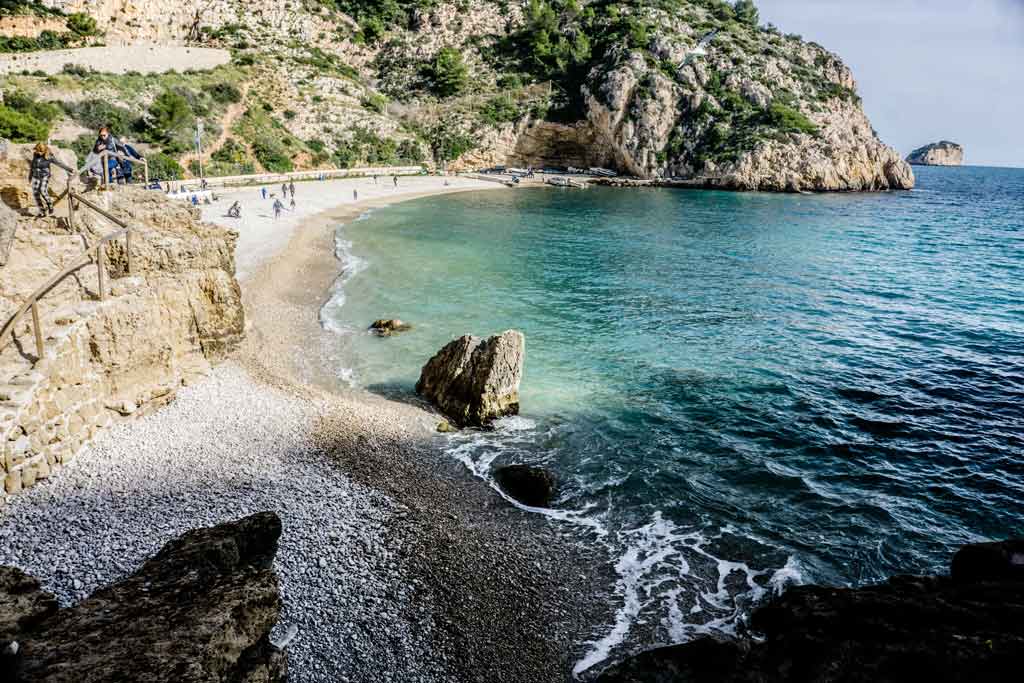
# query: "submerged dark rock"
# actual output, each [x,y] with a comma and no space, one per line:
[965,627]
[474,381]
[385,327]
[200,610]
[533,486]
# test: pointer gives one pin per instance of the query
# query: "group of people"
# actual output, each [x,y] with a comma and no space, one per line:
[286,189]
[119,166]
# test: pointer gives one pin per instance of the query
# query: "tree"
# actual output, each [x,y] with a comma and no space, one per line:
[449,73]
[746,12]
[170,113]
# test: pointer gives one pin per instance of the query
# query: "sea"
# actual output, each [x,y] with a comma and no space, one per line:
[736,391]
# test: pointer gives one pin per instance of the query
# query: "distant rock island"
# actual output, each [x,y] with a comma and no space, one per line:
[943,153]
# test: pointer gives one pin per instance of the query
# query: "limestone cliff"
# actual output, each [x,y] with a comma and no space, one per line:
[158,328]
[943,153]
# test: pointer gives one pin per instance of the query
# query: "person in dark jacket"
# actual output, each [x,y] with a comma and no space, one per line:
[39,173]
[106,142]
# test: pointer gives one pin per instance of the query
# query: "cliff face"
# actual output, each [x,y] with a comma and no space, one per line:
[944,153]
[162,326]
[533,82]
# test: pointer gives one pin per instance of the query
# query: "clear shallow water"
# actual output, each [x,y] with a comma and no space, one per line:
[736,390]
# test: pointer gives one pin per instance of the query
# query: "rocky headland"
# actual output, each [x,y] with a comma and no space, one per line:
[943,153]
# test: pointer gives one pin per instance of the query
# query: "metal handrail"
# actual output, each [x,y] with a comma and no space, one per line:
[32,303]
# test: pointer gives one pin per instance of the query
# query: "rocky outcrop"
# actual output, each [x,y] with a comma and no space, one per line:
[474,380]
[943,153]
[968,626]
[386,327]
[533,486]
[200,610]
[159,328]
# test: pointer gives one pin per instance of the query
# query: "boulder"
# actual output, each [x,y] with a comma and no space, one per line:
[533,486]
[387,327]
[911,628]
[474,381]
[200,610]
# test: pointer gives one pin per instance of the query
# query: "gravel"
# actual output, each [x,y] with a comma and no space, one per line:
[141,484]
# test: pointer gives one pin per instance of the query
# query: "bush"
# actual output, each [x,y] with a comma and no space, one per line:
[45,112]
[375,102]
[448,73]
[411,151]
[746,12]
[77,70]
[499,110]
[164,167]
[788,120]
[95,113]
[19,127]
[272,155]
[82,24]
[170,115]
[225,93]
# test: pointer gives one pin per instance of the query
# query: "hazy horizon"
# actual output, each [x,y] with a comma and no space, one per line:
[928,71]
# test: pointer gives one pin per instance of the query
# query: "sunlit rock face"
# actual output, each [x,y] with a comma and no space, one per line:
[944,153]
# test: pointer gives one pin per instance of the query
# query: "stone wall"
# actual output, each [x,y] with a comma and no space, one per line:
[158,329]
[146,59]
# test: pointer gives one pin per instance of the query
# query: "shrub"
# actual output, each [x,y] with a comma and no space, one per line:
[225,93]
[289,114]
[19,127]
[272,155]
[787,119]
[499,110]
[95,113]
[45,112]
[746,12]
[411,151]
[375,102]
[170,114]
[315,145]
[448,73]
[82,24]
[77,70]
[164,167]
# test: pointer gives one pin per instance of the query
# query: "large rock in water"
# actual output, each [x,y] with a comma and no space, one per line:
[533,486]
[911,628]
[942,153]
[473,380]
[200,610]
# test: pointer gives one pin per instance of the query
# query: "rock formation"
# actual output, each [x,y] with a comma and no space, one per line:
[533,486]
[943,153]
[389,327]
[473,380]
[200,610]
[158,328]
[967,626]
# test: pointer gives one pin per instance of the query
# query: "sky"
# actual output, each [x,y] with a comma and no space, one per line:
[928,70]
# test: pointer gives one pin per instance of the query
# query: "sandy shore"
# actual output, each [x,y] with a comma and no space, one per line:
[395,563]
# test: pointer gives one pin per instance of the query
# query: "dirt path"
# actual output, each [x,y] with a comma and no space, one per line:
[231,114]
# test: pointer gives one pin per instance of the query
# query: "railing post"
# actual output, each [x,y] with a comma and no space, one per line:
[71,209]
[128,249]
[102,270]
[145,171]
[38,329]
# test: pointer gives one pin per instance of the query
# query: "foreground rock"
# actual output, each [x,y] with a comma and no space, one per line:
[968,626]
[388,327]
[943,153]
[533,486]
[200,610]
[474,381]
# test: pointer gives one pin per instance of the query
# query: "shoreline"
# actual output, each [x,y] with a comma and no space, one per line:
[395,562]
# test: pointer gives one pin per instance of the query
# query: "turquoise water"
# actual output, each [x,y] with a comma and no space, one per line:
[735,390]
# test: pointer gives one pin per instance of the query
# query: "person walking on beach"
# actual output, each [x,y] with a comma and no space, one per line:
[278,206]
[39,177]
[263,191]
[284,189]
[396,181]
[291,189]
[293,202]
[374,178]
[355,195]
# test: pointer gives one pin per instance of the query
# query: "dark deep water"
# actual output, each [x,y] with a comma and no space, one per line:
[736,390]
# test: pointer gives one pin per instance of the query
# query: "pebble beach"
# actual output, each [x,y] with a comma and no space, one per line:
[395,564]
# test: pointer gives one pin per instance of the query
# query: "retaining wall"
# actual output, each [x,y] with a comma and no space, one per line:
[146,59]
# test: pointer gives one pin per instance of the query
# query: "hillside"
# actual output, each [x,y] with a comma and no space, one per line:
[480,82]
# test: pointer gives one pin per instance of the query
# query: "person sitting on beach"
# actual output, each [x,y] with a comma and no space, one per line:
[278,206]
[235,210]
[39,173]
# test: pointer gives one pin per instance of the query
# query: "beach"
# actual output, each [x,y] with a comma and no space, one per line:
[395,563]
